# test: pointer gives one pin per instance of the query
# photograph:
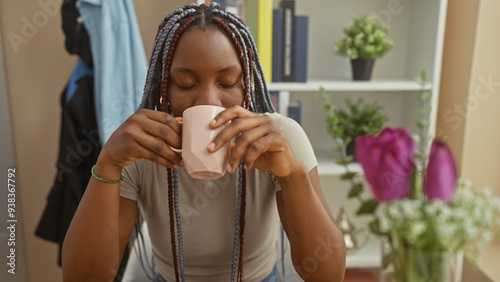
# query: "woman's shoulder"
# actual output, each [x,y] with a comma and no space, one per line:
[284,122]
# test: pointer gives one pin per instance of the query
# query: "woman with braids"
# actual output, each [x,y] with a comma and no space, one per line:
[206,230]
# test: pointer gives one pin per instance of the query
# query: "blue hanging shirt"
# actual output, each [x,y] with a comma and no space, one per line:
[119,59]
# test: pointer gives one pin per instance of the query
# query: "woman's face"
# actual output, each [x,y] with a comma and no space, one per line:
[205,71]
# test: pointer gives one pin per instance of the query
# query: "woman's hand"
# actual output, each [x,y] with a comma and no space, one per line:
[259,143]
[146,134]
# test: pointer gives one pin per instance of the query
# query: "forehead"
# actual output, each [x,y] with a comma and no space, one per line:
[210,45]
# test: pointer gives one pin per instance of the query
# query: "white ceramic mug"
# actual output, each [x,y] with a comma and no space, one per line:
[196,135]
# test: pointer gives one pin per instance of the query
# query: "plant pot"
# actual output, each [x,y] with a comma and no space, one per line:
[362,69]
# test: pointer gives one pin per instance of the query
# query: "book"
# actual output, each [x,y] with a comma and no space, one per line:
[288,68]
[295,111]
[265,35]
[301,41]
[277,40]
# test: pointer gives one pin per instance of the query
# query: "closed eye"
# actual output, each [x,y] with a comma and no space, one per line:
[227,85]
[185,87]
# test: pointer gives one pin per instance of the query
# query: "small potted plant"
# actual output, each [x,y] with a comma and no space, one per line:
[359,118]
[365,40]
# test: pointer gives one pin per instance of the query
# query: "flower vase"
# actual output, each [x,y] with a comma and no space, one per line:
[415,265]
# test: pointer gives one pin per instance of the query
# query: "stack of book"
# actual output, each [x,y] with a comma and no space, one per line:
[281,36]
[289,46]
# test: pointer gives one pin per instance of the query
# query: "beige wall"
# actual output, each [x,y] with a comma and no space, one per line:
[36,75]
[456,70]
[481,154]
[469,100]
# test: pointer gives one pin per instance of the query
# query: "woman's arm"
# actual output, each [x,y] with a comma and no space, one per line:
[103,222]
[99,231]
[317,245]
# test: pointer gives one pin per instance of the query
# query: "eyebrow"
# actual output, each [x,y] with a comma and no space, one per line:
[188,70]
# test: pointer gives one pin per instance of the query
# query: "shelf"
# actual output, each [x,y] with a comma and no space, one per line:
[346,85]
[368,256]
[327,165]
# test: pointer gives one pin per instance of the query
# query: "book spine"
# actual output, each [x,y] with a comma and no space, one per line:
[265,34]
[301,41]
[295,112]
[287,72]
[277,40]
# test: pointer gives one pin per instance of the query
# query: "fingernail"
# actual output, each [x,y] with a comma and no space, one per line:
[213,122]
[211,146]
[228,168]
[174,166]
[181,163]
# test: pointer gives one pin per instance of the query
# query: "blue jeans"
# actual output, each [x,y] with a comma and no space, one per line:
[270,278]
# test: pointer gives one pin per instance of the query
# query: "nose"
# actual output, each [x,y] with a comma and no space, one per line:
[208,94]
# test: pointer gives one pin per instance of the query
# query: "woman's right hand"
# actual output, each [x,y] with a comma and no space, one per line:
[146,134]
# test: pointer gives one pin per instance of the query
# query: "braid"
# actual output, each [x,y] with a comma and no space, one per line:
[243,56]
[242,217]
[172,222]
[167,59]
[178,220]
[239,227]
[148,99]
[163,29]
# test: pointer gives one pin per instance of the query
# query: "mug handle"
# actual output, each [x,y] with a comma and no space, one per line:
[179,151]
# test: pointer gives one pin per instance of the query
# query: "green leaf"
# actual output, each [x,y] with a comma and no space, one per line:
[355,190]
[367,207]
[348,175]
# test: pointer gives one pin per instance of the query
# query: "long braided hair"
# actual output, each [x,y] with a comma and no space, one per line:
[156,97]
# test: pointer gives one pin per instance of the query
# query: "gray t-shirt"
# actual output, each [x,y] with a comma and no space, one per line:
[208,210]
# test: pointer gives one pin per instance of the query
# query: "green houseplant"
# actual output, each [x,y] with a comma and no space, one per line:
[365,40]
[359,118]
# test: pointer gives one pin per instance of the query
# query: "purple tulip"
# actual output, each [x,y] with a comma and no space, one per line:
[388,162]
[441,173]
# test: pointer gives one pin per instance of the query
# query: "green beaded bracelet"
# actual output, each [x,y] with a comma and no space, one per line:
[105,180]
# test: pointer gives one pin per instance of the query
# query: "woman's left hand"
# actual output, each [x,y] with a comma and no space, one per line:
[259,143]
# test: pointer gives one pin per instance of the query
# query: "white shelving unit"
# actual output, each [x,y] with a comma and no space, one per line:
[417,29]
[347,85]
